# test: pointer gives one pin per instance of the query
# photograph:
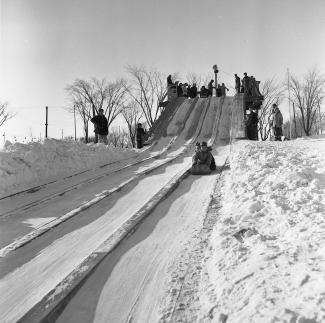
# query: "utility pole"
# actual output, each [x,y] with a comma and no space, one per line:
[289,105]
[320,120]
[4,138]
[215,69]
[294,118]
[75,127]
[62,134]
[46,119]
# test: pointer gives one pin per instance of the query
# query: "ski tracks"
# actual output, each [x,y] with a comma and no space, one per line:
[182,300]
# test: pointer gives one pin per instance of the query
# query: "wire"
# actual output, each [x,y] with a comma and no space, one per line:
[38,107]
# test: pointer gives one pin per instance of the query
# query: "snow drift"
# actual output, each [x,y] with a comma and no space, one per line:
[26,165]
[266,260]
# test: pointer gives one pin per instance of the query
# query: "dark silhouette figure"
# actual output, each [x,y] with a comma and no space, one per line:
[193,91]
[140,136]
[101,127]
[179,89]
[219,90]
[237,83]
[203,92]
[210,87]
[169,80]
[251,125]
[245,83]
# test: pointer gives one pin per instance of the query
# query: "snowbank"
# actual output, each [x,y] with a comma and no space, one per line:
[26,165]
[266,260]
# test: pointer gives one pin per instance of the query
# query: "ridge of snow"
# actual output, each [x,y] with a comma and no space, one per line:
[23,165]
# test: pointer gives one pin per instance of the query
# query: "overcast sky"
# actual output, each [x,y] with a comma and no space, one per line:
[46,44]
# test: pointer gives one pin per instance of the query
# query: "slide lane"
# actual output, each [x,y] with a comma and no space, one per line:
[129,284]
[47,260]
[29,218]
[59,256]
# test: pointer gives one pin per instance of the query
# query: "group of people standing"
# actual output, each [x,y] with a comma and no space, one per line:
[183,89]
[247,85]
[220,90]
[191,91]
[101,130]
[275,122]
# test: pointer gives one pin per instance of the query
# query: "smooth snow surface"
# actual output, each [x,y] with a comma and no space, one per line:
[37,222]
[26,165]
[266,259]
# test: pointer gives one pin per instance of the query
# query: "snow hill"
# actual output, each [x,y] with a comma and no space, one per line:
[26,165]
[266,258]
[245,244]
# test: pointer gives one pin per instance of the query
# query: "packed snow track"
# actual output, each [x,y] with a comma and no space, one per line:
[105,240]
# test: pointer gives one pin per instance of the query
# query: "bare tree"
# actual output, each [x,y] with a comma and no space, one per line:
[90,96]
[113,101]
[307,95]
[147,88]
[132,114]
[273,92]
[4,114]
[198,79]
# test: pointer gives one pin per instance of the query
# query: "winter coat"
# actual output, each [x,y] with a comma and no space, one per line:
[252,119]
[169,80]
[202,157]
[184,90]
[101,125]
[277,119]
[246,83]
[140,133]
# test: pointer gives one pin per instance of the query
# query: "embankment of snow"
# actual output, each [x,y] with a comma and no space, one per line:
[26,165]
[266,259]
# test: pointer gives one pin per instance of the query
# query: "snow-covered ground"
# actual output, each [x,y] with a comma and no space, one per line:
[255,254]
[26,165]
[266,255]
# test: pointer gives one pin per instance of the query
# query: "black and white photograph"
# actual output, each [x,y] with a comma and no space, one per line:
[162,161]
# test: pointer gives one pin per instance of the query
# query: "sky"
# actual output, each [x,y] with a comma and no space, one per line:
[45,45]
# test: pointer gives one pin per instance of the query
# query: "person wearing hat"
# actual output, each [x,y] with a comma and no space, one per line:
[140,136]
[101,127]
[202,159]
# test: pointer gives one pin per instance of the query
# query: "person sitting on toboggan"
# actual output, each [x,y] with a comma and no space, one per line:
[202,162]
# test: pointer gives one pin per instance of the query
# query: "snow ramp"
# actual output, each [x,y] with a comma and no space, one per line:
[200,119]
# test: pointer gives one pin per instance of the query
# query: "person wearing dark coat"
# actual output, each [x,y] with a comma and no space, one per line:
[193,91]
[169,80]
[246,83]
[203,92]
[210,87]
[140,136]
[101,126]
[179,89]
[237,83]
[251,125]
[219,90]
[203,156]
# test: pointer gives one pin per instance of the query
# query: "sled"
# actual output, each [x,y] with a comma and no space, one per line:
[200,170]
